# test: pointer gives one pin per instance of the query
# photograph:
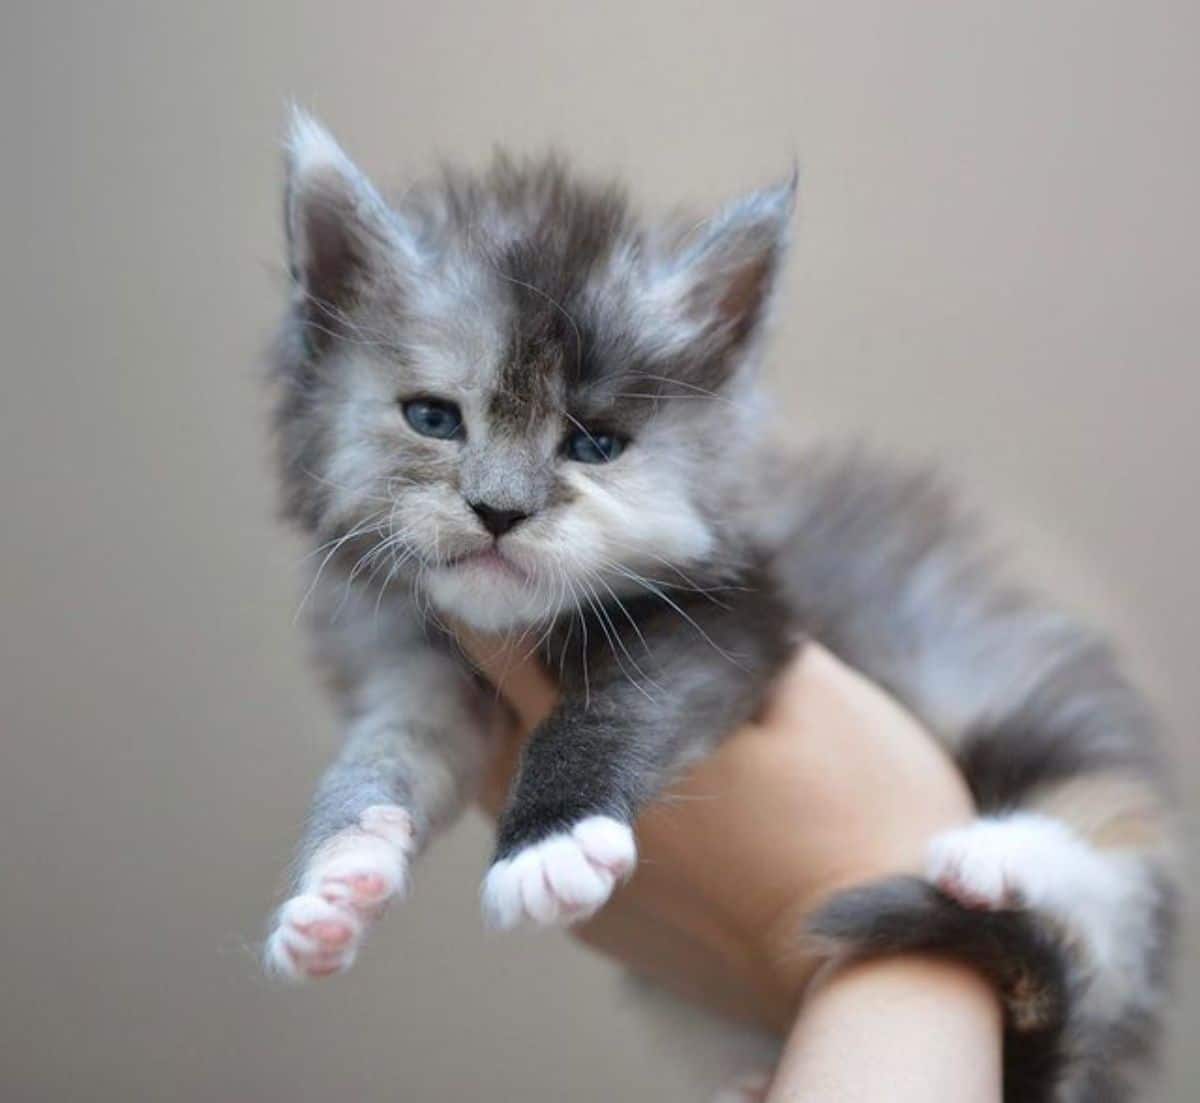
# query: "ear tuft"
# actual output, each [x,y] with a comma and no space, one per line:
[340,232]
[311,148]
[731,269]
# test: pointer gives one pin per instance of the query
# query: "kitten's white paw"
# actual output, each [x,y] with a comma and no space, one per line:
[345,888]
[1000,863]
[562,879]
[313,938]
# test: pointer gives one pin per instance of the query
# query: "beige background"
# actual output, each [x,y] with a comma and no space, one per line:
[997,264]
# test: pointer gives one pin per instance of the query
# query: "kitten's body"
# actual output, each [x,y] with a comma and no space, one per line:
[667,587]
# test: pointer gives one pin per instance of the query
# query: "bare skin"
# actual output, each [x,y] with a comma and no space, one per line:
[750,842]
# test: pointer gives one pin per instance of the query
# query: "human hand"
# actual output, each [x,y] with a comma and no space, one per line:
[834,784]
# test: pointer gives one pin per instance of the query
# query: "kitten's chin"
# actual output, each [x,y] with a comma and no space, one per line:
[487,601]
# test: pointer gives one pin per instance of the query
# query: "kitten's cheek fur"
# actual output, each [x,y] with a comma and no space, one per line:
[561,880]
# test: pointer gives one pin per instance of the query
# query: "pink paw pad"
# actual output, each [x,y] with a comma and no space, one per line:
[313,938]
[346,886]
[955,885]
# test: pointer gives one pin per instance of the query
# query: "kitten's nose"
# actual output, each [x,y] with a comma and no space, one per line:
[497,521]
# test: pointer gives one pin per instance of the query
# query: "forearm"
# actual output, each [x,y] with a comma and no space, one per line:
[904,1030]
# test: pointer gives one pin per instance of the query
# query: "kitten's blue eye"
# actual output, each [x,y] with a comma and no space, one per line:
[584,447]
[432,417]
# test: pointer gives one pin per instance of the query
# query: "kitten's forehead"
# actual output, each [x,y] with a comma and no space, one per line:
[538,304]
[449,328]
[527,390]
[523,355]
[532,276]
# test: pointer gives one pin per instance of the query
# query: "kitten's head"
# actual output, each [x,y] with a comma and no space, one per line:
[507,388]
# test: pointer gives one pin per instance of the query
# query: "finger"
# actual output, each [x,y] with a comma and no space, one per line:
[519,677]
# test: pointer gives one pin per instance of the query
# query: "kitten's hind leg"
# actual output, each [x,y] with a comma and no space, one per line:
[1067,906]
[1024,859]
[1107,900]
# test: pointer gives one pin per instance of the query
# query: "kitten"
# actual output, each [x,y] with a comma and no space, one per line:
[506,401]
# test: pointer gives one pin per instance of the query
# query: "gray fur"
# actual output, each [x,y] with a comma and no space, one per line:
[668,586]
[413,717]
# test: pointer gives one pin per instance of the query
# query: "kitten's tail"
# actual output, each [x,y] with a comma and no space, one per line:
[1026,959]
[1074,937]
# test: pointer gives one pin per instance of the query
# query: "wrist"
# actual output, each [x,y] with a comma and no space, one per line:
[900,1028]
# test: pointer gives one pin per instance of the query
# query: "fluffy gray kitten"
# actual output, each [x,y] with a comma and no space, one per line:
[504,400]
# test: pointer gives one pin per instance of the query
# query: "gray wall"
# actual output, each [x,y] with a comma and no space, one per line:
[997,264]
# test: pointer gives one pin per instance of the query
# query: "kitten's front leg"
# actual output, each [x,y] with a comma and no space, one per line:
[342,889]
[414,747]
[566,839]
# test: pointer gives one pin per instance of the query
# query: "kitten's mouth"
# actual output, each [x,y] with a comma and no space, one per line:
[489,561]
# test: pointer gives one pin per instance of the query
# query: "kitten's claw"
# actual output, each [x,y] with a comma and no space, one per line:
[349,880]
[562,879]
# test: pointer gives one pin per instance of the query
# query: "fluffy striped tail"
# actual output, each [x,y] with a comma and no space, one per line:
[1076,939]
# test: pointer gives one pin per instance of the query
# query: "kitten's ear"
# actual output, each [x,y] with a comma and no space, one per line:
[340,232]
[724,276]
